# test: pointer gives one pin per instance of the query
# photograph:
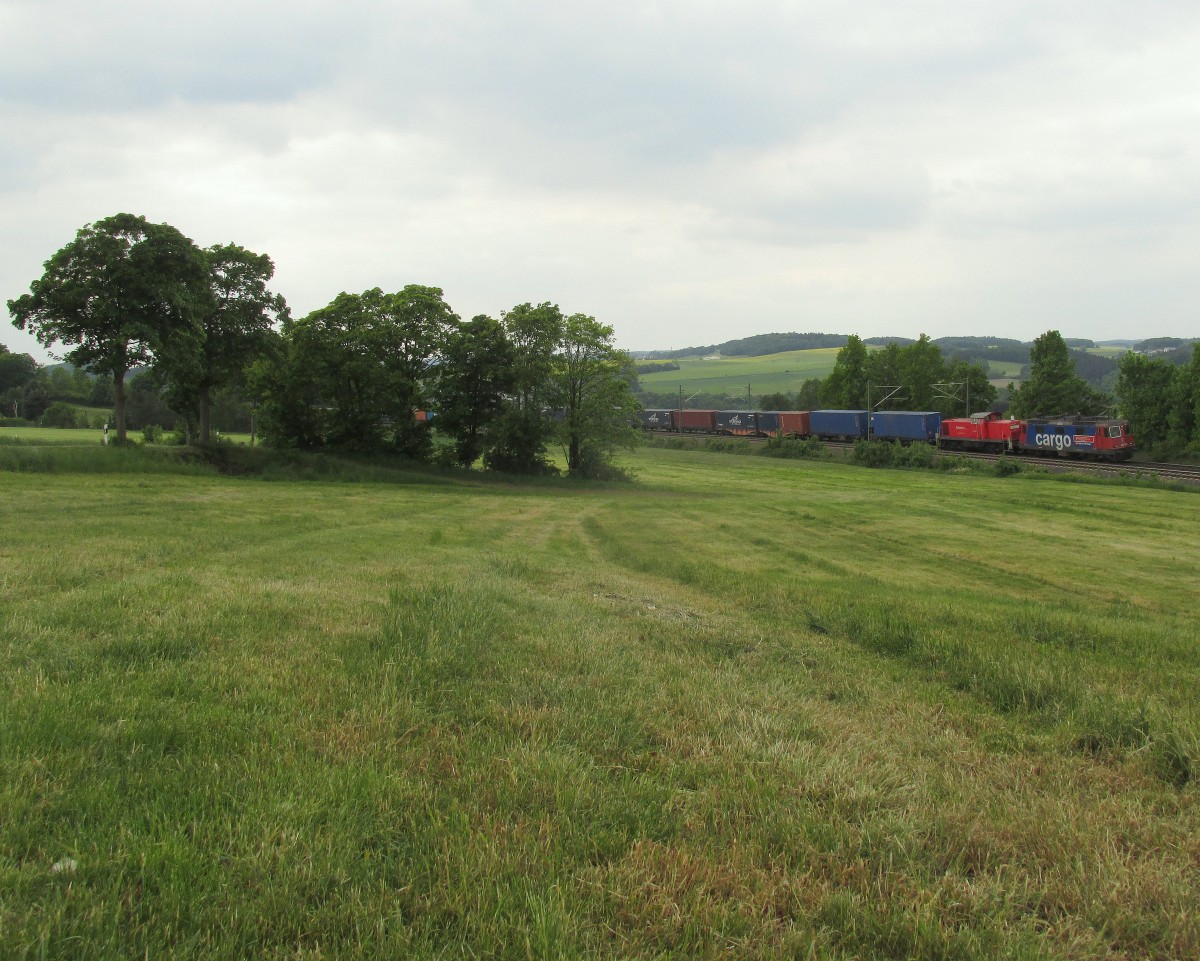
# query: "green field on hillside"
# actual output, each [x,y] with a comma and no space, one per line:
[739,708]
[730,375]
[1010,369]
[1116,353]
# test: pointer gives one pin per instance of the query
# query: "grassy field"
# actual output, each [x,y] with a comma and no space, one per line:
[1009,369]
[740,708]
[55,435]
[80,436]
[729,375]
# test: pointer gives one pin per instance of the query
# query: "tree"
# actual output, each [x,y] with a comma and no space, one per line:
[518,439]
[808,396]
[476,372]
[780,400]
[352,373]
[124,292]
[1144,390]
[17,371]
[1183,418]
[884,368]
[846,386]
[1053,387]
[980,392]
[235,322]
[921,366]
[591,383]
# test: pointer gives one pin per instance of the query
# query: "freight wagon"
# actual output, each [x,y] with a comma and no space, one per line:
[658,419]
[838,424]
[784,423]
[696,421]
[906,426]
[738,423]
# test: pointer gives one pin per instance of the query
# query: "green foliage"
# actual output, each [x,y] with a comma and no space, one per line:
[517,443]
[60,414]
[879,453]
[914,368]
[152,434]
[1006,466]
[238,326]
[1053,386]
[124,292]
[590,382]
[351,374]
[477,370]
[846,387]
[656,367]
[1145,393]
[16,371]
[518,439]
[808,448]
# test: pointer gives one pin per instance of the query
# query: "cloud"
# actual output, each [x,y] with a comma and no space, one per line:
[682,170]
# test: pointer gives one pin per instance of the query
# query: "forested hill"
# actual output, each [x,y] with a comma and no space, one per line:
[758,345]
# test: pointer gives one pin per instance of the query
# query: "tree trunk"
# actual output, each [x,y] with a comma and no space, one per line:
[119,402]
[205,412]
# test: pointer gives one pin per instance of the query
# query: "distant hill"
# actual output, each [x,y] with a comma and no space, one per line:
[757,346]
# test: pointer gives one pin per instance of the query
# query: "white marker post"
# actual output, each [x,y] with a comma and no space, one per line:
[105,441]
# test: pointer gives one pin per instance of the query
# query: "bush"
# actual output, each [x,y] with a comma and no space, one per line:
[1006,466]
[59,414]
[790,447]
[875,453]
[15,422]
[152,433]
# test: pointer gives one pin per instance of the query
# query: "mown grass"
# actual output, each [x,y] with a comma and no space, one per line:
[743,707]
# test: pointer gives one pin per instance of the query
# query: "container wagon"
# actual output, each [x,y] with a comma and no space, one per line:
[658,419]
[696,421]
[738,423]
[783,423]
[838,424]
[906,426]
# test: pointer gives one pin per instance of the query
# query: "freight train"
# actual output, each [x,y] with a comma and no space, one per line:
[1093,438]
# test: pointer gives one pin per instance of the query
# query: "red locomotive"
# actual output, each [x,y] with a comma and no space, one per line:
[987,431]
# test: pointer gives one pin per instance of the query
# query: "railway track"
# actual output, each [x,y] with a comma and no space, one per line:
[1182,473]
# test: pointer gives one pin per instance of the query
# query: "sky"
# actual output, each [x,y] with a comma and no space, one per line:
[688,172]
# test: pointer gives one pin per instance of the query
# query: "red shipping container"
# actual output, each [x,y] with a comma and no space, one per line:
[698,420]
[794,423]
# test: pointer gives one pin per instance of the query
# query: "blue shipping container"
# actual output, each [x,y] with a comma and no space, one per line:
[736,421]
[923,425]
[768,421]
[839,423]
[658,419]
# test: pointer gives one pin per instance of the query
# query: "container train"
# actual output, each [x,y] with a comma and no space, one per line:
[1092,438]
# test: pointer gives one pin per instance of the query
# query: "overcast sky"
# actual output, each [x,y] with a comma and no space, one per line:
[688,172]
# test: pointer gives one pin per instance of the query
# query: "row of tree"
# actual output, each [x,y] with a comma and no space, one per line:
[128,294]
[912,377]
[351,375]
[1162,401]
